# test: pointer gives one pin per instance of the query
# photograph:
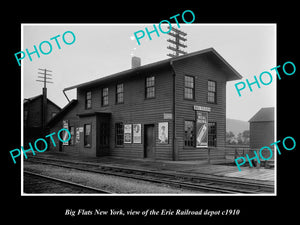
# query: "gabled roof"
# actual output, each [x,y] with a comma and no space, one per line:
[27,100]
[32,99]
[230,72]
[263,115]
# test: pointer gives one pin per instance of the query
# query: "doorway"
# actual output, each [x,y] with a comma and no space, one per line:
[149,140]
[103,134]
[103,139]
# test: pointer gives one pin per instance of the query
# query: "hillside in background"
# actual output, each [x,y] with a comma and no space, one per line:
[236,126]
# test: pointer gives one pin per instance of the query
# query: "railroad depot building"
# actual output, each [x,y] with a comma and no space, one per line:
[174,109]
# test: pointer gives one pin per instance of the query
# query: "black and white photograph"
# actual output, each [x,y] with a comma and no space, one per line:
[116,97]
[168,116]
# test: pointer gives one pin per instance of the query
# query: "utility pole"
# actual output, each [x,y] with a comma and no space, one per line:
[178,36]
[45,79]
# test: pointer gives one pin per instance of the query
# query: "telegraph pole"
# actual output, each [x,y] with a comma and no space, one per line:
[178,36]
[45,79]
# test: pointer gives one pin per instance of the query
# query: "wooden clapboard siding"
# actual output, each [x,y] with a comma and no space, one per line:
[217,153]
[203,70]
[136,109]
[169,98]
[71,116]
[261,134]
[236,150]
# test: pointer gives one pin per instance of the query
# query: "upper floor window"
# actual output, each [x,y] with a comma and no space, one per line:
[104,99]
[211,92]
[120,93]
[189,87]
[88,100]
[150,87]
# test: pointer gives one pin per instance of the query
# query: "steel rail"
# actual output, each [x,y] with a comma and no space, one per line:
[97,190]
[252,188]
[202,177]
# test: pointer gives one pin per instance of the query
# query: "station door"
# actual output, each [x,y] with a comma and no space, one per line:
[149,140]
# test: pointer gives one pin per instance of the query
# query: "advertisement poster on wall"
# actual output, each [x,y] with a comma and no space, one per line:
[64,133]
[77,140]
[137,133]
[163,133]
[201,129]
[127,133]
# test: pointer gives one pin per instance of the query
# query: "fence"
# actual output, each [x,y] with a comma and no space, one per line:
[234,151]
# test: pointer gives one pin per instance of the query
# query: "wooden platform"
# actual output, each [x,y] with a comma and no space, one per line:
[231,171]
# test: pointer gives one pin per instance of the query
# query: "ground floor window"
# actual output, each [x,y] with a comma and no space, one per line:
[87,135]
[189,133]
[119,131]
[212,134]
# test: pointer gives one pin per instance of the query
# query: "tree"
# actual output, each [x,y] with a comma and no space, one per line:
[230,137]
[246,136]
[240,139]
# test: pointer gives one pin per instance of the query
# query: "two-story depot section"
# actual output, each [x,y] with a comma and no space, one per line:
[174,109]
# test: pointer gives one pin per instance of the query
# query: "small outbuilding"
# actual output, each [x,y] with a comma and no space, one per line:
[262,130]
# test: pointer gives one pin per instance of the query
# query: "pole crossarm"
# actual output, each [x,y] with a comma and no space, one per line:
[44,78]
[178,36]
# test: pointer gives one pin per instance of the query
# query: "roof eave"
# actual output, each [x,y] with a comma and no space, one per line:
[234,75]
[231,75]
[61,113]
[120,74]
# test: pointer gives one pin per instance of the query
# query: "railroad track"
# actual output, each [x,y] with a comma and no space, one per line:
[201,182]
[56,185]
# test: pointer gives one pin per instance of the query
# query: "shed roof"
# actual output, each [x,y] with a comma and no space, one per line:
[263,115]
[60,115]
[229,71]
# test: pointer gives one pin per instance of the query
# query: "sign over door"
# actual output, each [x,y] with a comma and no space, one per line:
[201,129]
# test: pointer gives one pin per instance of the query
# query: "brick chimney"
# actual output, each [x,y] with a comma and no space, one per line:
[135,62]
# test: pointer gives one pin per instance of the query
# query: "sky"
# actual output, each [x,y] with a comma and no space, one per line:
[104,49]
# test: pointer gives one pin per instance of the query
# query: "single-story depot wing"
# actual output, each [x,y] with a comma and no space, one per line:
[174,109]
